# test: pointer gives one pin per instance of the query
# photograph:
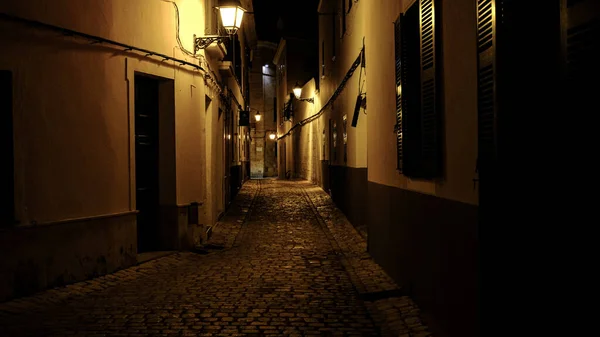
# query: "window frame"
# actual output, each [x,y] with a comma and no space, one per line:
[419,124]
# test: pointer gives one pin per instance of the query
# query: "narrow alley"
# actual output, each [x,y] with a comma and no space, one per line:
[282,261]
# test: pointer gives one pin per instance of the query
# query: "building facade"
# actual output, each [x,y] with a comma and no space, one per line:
[124,139]
[294,68]
[421,111]
[263,149]
[404,181]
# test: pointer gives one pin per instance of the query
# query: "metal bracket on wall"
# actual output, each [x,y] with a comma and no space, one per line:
[205,41]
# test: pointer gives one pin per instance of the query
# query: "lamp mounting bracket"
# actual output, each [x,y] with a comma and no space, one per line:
[204,41]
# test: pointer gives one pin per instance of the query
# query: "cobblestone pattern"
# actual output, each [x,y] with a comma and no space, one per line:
[281,277]
[224,234]
[61,295]
[228,227]
[395,314]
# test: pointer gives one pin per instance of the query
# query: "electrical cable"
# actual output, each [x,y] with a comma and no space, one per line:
[185,51]
[199,57]
[97,39]
[332,99]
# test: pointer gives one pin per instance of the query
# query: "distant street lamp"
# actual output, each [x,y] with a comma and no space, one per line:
[257,116]
[272,136]
[298,91]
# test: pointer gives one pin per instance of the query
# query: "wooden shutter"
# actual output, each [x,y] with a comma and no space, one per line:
[431,159]
[398,127]
[410,53]
[486,79]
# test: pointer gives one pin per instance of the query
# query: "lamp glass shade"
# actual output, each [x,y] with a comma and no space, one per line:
[239,15]
[257,117]
[297,91]
[272,136]
[231,17]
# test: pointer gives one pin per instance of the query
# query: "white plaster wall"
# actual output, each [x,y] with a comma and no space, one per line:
[74,105]
[459,102]
[347,49]
[306,139]
[381,97]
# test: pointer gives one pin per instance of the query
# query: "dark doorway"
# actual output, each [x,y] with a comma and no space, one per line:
[146,162]
[6,142]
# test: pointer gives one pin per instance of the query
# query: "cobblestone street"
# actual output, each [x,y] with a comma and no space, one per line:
[282,261]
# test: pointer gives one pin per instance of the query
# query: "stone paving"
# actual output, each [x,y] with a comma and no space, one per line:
[282,261]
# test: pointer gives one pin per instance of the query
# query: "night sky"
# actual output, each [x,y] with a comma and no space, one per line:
[299,18]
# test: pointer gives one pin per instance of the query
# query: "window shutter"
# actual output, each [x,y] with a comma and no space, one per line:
[410,54]
[431,159]
[486,75]
[398,127]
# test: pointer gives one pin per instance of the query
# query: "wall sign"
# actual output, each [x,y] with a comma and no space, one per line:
[244,118]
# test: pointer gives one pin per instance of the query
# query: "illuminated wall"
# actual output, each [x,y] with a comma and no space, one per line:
[416,227]
[262,95]
[76,98]
[306,139]
[74,131]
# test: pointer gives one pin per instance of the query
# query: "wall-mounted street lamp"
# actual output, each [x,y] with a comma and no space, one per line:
[246,115]
[272,136]
[298,91]
[232,14]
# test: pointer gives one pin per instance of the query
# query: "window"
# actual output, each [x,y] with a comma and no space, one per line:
[7,217]
[418,112]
